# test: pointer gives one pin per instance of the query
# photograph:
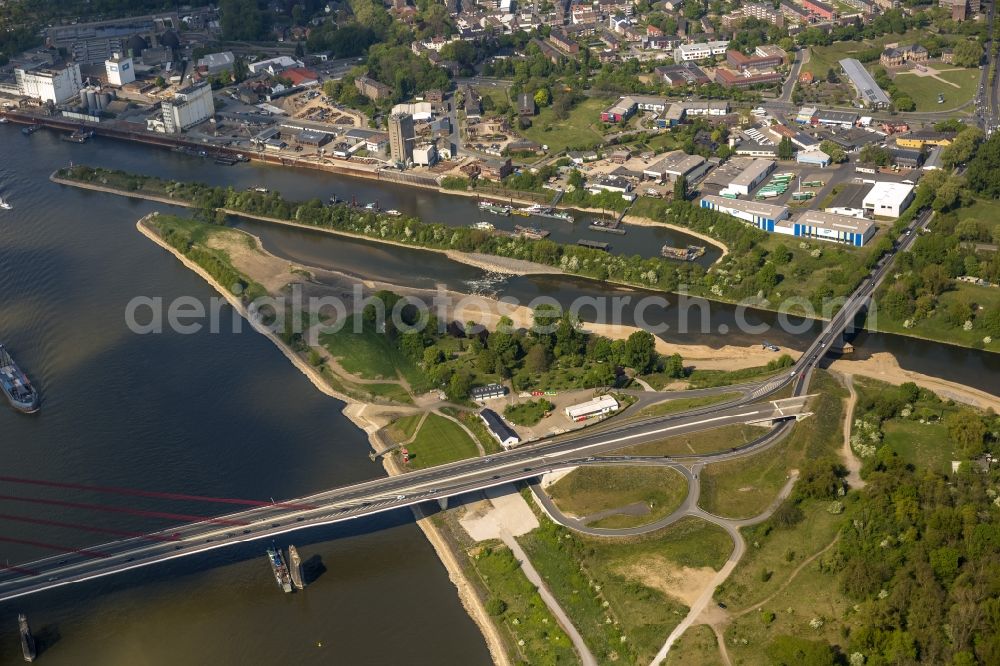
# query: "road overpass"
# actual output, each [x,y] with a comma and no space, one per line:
[438,483]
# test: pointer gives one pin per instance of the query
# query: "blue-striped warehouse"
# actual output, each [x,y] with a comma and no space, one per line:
[762,215]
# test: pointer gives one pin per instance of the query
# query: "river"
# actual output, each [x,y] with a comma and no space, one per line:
[222,414]
[226,415]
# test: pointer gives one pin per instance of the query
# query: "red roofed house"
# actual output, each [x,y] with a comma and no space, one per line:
[300,76]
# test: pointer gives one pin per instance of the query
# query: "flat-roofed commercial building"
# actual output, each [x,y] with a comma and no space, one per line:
[888,199]
[829,227]
[762,215]
[869,92]
[752,176]
[690,52]
[599,406]
[674,165]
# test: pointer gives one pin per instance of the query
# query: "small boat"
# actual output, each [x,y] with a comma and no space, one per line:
[371,205]
[523,212]
[4,204]
[29,130]
[496,209]
[27,640]
[483,226]
[280,569]
[258,189]
[334,200]
[3,120]
[16,386]
[393,212]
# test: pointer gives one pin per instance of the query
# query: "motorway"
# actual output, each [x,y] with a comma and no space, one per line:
[439,483]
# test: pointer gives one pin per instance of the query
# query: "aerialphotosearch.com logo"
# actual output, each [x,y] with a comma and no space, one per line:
[313,316]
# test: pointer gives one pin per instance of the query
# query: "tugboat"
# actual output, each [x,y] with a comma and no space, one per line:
[27,641]
[4,204]
[15,385]
[280,569]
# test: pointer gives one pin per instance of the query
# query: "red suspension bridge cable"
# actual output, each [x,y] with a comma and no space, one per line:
[150,493]
[16,569]
[87,528]
[52,546]
[182,517]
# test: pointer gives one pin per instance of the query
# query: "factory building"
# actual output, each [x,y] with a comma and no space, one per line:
[764,216]
[189,107]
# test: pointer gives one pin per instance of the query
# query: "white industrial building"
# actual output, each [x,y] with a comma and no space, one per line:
[599,406]
[762,215]
[421,111]
[274,65]
[888,199]
[189,106]
[829,227]
[751,177]
[119,69]
[50,84]
[691,52]
[499,429]
[425,154]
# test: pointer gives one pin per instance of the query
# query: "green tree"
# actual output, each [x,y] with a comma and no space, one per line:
[680,188]
[836,153]
[536,361]
[786,150]
[640,351]
[543,97]
[967,430]
[968,53]
[241,20]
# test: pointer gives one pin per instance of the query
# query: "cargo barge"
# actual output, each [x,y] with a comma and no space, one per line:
[531,233]
[79,136]
[280,569]
[689,253]
[594,245]
[295,568]
[27,640]
[15,385]
[607,226]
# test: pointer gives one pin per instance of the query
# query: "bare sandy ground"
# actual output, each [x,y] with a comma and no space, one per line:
[682,583]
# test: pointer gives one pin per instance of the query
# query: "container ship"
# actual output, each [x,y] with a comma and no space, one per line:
[689,253]
[532,233]
[280,569]
[295,568]
[496,209]
[15,384]
[27,641]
